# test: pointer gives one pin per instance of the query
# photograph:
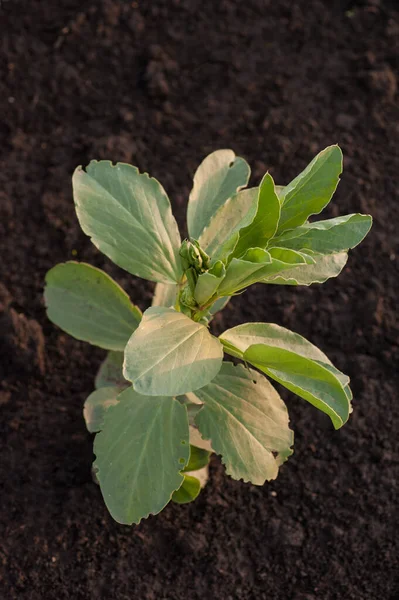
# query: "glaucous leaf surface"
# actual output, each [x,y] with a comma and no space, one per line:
[311,190]
[218,178]
[97,405]
[89,305]
[110,372]
[265,223]
[279,191]
[170,354]
[324,267]
[294,362]
[143,446]
[220,237]
[165,294]
[327,237]
[237,339]
[247,423]
[219,304]
[209,282]
[257,264]
[188,491]
[128,216]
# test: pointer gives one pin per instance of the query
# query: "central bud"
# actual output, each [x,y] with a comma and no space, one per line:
[194,262]
[192,256]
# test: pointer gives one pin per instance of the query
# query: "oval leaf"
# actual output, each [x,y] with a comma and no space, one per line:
[255,265]
[208,283]
[188,491]
[239,338]
[329,236]
[265,223]
[323,268]
[199,458]
[140,452]
[294,362]
[128,216]
[89,305]
[312,190]
[247,423]
[165,294]
[110,372]
[218,178]
[220,237]
[169,354]
[97,405]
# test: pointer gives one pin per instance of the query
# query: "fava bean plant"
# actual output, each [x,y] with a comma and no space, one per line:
[165,398]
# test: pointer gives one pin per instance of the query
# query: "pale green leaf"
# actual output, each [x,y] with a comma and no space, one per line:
[97,405]
[294,362]
[241,337]
[264,225]
[220,237]
[312,190]
[323,268]
[247,423]
[165,294]
[89,305]
[256,265]
[219,304]
[110,372]
[279,191]
[327,237]
[143,446]
[170,354]
[218,178]
[306,378]
[188,491]
[250,268]
[209,282]
[128,216]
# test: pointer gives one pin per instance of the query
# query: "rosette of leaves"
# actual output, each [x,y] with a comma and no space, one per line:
[164,399]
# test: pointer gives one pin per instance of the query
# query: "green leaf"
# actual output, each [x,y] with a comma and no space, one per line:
[128,216]
[312,190]
[97,405]
[247,423]
[199,458]
[220,237]
[219,304]
[323,268]
[165,294]
[188,491]
[209,282]
[237,339]
[110,372]
[140,452]
[256,265]
[294,362]
[170,354]
[327,237]
[264,225]
[218,178]
[89,305]
[279,189]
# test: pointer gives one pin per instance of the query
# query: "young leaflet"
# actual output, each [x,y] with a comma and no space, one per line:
[165,398]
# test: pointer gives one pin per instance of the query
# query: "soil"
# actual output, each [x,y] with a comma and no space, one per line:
[160,84]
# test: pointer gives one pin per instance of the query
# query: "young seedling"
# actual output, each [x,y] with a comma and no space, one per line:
[164,397]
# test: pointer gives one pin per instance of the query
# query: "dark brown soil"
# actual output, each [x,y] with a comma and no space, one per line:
[161,84]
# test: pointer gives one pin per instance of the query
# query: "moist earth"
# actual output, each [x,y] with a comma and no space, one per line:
[161,84]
